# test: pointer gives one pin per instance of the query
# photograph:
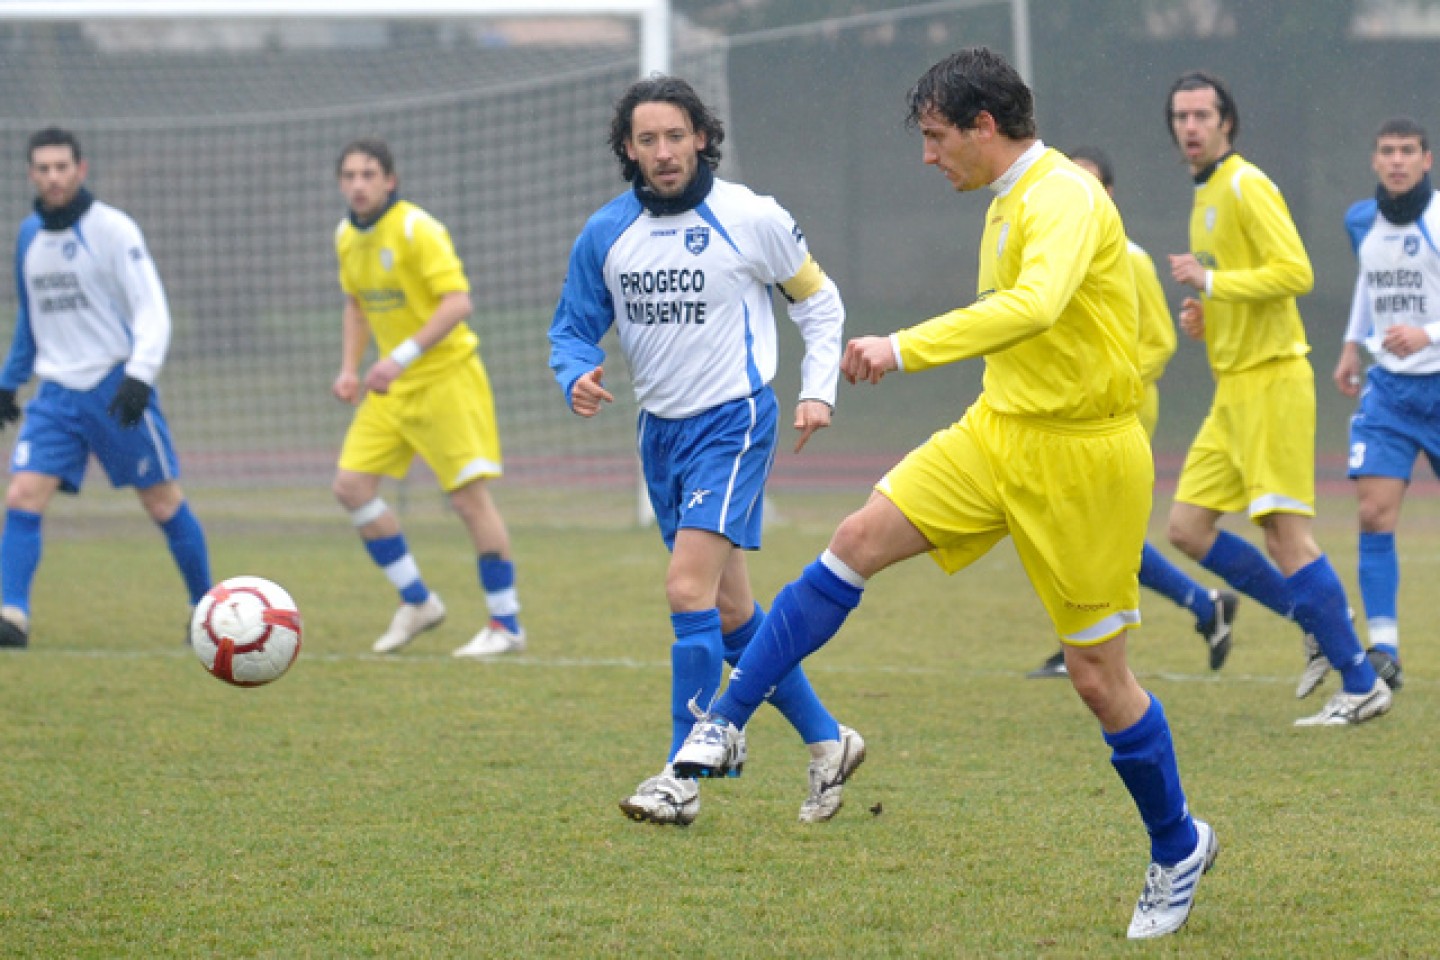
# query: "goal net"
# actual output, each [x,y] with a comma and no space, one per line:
[220,137]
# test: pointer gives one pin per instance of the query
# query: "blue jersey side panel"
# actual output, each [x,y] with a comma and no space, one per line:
[20,364]
[586,311]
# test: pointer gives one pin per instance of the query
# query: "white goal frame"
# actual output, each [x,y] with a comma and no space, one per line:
[653,15]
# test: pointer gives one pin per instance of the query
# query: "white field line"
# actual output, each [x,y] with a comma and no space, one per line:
[626,663]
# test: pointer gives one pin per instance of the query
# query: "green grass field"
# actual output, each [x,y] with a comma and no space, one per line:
[415,806]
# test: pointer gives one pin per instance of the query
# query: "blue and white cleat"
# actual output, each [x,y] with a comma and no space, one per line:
[714,748]
[1170,891]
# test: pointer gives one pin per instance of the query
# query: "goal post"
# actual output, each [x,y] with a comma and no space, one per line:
[216,126]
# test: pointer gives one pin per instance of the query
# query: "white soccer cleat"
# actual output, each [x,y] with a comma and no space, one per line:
[1317,667]
[15,628]
[665,799]
[714,748]
[411,620]
[493,641]
[1347,709]
[1169,892]
[829,774]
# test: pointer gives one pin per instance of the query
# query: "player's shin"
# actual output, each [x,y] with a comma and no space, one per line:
[1322,611]
[806,614]
[1144,756]
[696,658]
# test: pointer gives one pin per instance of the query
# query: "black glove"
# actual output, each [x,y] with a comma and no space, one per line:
[9,412]
[130,402]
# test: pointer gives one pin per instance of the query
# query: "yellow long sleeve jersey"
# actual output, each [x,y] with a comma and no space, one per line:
[1157,327]
[1056,317]
[1241,229]
[398,270]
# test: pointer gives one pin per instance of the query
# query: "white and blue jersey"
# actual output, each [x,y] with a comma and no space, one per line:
[91,311]
[690,295]
[1398,284]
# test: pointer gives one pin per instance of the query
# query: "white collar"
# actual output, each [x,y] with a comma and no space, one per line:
[1001,185]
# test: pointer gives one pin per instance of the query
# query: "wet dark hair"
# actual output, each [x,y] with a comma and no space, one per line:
[969,81]
[52,137]
[1200,80]
[1402,127]
[372,147]
[1099,160]
[663,89]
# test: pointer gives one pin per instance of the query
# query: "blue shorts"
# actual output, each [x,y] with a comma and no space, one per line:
[708,472]
[63,427]
[1398,418]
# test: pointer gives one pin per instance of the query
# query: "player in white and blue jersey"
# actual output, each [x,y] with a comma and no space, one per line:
[1395,317]
[683,265]
[93,326]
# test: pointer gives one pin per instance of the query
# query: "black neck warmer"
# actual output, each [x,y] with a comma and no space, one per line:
[370,222]
[63,218]
[1407,207]
[1204,175]
[691,197]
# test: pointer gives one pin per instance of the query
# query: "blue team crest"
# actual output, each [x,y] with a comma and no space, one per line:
[697,239]
[69,249]
[387,258]
[1412,245]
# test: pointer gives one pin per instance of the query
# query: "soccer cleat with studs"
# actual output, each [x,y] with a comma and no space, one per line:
[1219,631]
[665,799]
[1349,709]
[411,620]
[14,628]
[493,641]
[714,748]
[1054,666]
[828,776]
[1169,892]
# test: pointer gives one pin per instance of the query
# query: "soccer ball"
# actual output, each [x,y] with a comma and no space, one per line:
[246,631]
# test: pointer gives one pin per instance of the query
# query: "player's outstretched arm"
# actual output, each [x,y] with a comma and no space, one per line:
[588,393]
[868,359]
[810,415]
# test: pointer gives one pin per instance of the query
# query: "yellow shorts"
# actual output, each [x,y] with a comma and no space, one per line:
[449,421]
[1255,452]
[1074,497]
[1149,411]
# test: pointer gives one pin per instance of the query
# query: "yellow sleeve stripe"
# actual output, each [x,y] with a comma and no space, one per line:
[807,280]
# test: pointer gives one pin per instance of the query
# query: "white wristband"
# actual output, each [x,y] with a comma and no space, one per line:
[406,353]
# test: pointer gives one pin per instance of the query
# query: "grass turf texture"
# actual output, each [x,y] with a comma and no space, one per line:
[419,806]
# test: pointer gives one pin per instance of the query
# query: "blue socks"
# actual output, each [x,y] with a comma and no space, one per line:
[1321,610]
[1380,589]
[19,557]
[186,539]
[695,666]
[393,557]
[1144,756]
[806,614]
[1170,581]
[497,579]
[1246,569]
[793,696]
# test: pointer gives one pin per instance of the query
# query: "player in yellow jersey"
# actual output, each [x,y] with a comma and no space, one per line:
[427,394]
[1214,610]
[1255,452]
[1052,454]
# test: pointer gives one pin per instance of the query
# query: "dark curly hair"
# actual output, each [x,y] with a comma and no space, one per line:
[1200,80]
[968,81]
[662,89]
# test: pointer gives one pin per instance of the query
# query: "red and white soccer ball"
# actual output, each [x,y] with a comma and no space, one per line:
[246,631]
